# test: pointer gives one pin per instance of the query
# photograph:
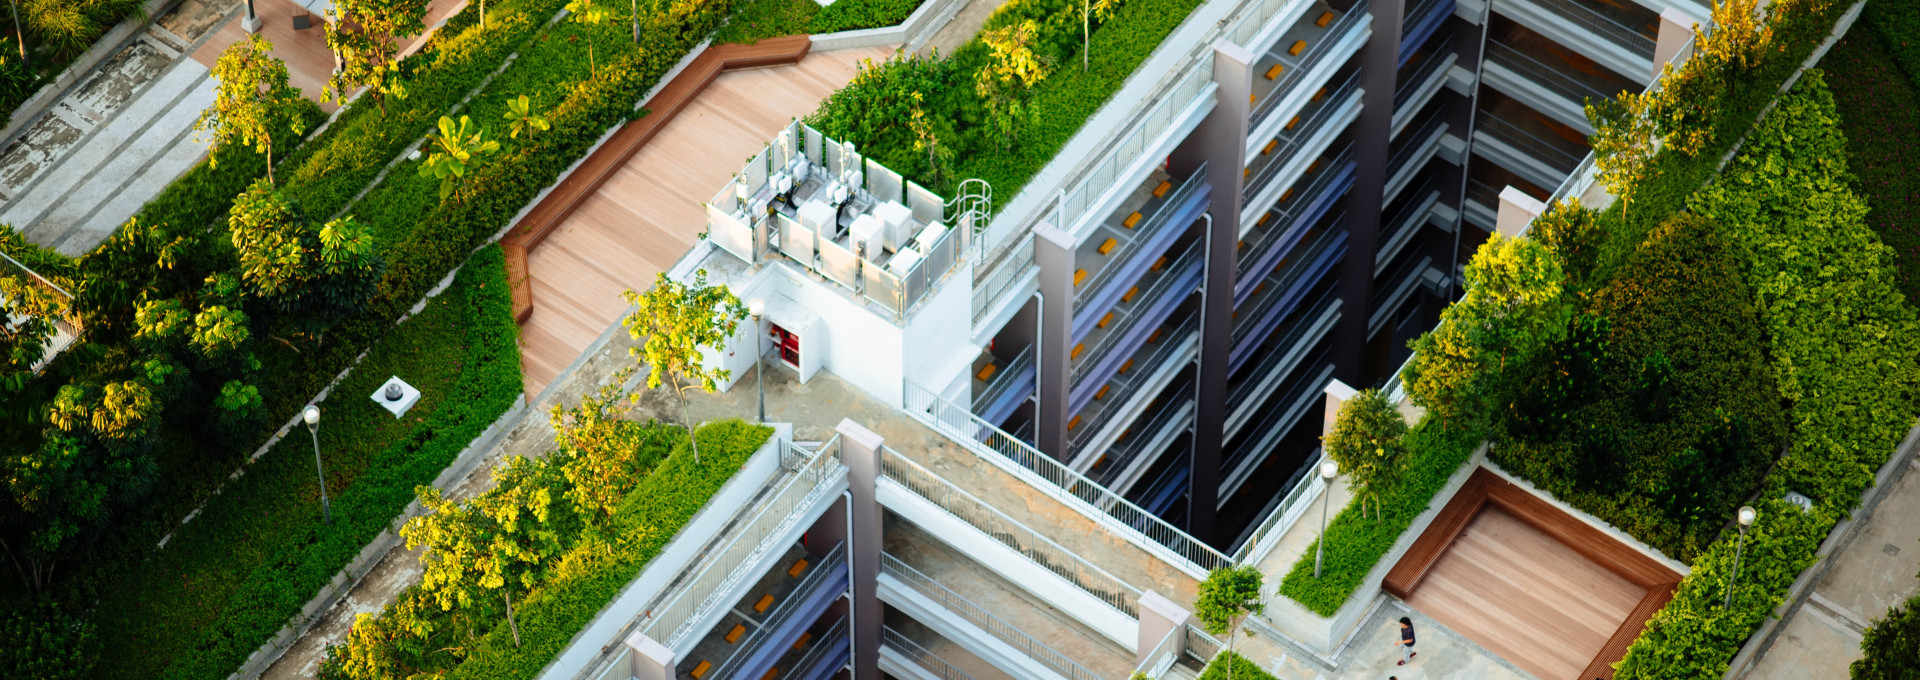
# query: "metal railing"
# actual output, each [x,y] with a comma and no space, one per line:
[1315,54]
[835,560]
[1242,394]
[835,636]
[1157,662]
[1008,532]
[1305,485]
[1413,144]
[1014,637]
[1011,272]
[928,661]
[1546,150]
[1167,345]
[1169,283]
[1556,79]
[1331,105]
[1202,646]
[1282,223]
[1148,427]
[1411,83]
[1075,204]
[1278,285]
[1140,235]
[1621,34]
[1041,471]
[751,540]
[41,293]
[1006,378]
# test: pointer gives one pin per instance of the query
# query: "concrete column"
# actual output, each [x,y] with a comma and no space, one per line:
[1223,142]
[1338,394]
[1372,135]
[1053,251]
[1159,616]
[860,450]
[649,660]
[1517,210]
[1676,28]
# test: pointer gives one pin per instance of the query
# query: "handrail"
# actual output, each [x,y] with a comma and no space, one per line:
[1514,134]
[751,540]
[1010,532]
[1296,267]
[1202,646]
[836,558]
[1167,284]
[1041,471]
[1621,34]
[1157,662]
[1434,59]
[954,602]
[1354,16]
[1159,354]
[1304,485]
[1330,106]
[1151,225]
[1555,79]
[929,661]
[1412,144]
[1021,362]
[832,638]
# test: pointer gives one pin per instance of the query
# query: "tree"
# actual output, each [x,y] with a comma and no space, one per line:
[591,15]
[1089,9]
[366,33]
[1515,304]
[1226,598]
[603,455]
[1625,140]
[927,133]
[1012,69]
[675,320]
[1367,442]
[458,148]
[520,114]
[502,541]
[253,101]
[1892,645]
[311,277]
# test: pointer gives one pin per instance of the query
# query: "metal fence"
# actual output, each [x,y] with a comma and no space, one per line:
[750,541]
[1348,22]
[835,636]
[1008,532]
[1551,150]
[1140,527]
[980,618]
[790,606]
[1305,487]
[927,660]
[1436,58]
[40,292]
[1557,79]
[1157,662]
[1626,36]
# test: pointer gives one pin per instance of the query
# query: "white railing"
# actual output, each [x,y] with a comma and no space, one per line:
[1161,659]
[750,542]
[1011,533]
[1286,513]
[928,661]
[834,637]
[1006,632]
[1142,528]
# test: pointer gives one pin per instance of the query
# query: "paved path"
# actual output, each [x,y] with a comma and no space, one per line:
[1874,571]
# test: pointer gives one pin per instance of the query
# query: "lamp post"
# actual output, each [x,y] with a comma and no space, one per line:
[1328,469]
[1745,517]
[19,37]
[251,22]
[756,307]
[312,416]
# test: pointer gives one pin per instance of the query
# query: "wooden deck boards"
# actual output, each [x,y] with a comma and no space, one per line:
[309,62]
[649,212]
[1530,581]
[1526,596]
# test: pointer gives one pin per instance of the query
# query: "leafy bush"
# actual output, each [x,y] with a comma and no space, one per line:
[1228,664]
[1368,442]
[755,20]
[1877,100]
[1694,636]
[1355,543]
[857,14]
[578,584]
[1658,412]
[1892,645]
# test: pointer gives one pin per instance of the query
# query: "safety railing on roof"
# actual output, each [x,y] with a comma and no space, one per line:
[928,661]
[959,605]
[1317,53]
[1254,22]
[1305,486]
[1621,34]
[1039,549]
[1202,646]
[750,540]
[1042,472]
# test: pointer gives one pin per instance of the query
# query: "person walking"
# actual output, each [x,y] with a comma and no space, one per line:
[1406,641]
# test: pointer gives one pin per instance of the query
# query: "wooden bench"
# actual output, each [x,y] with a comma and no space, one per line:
[1485,488]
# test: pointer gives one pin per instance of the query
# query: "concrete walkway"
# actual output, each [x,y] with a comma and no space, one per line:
[1874,571]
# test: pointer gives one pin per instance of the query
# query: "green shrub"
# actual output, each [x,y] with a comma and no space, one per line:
[1658,413]
[1879,100]
[1892,645]
[1355,543]
[848,15]
[1241,668]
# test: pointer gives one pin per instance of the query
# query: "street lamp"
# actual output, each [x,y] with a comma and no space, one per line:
[312,416]
[758,307]
[19,37]
[251,23]
[1328,469]
[1745,516]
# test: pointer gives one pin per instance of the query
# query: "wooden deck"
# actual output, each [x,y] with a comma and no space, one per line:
[1530,582]
[309,62]
[648,212]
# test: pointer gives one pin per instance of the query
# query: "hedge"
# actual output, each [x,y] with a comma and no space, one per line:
[1242,668]
[1875,77]
[1355,543]
[758,19]
[257,552]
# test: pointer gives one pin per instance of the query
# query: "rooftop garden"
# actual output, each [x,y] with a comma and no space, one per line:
[56,33]
[753,20]
[1715,337]
[230,301]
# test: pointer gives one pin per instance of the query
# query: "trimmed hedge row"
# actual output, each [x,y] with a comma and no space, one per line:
[1229,664]
[755,20]
[257,552]
[1356,543]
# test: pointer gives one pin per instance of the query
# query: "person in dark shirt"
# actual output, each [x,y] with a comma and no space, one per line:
[1406,641]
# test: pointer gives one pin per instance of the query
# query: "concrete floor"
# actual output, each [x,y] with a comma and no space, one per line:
[1873,572]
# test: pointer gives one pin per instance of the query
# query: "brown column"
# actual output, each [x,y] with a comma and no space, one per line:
[860,450]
